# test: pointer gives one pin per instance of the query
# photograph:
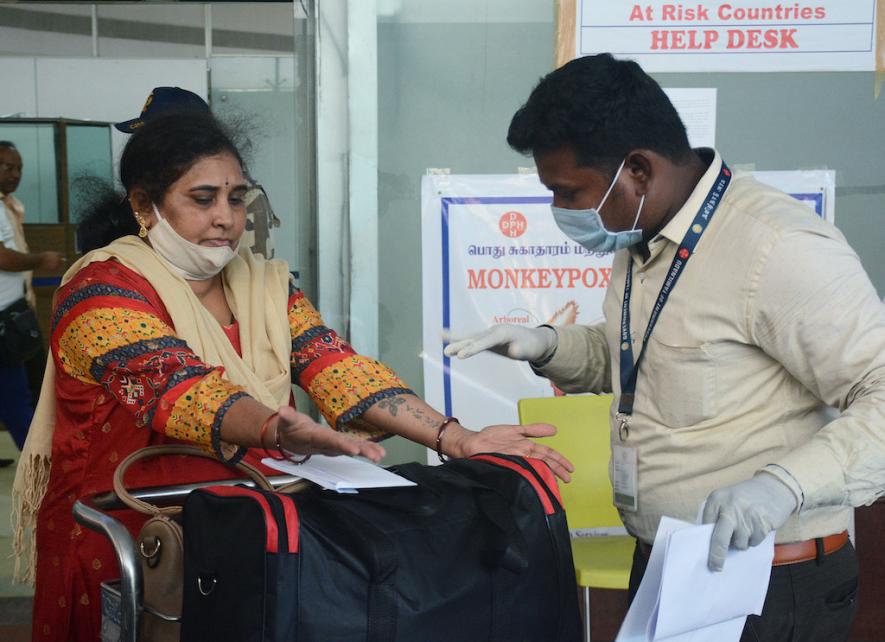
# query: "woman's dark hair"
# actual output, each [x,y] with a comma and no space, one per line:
[602,108]
[156,156]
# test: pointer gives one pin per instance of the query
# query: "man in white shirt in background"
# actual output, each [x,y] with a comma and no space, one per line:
[16,265]
[735,323]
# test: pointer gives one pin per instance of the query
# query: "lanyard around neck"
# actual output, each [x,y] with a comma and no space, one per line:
[629,368]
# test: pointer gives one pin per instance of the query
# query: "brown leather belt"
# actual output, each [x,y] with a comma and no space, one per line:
[809,549]
[794,552]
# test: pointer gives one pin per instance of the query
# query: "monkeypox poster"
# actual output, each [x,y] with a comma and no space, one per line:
[492,253]
[737,35]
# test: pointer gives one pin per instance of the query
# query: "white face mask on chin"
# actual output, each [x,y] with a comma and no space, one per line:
[191,261]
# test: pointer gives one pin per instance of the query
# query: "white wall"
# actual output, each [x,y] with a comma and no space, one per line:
[105,88]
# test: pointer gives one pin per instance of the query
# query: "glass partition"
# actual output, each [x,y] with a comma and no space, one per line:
[46,29]
[169,30]
[270,29]
[88,154]
[38,189]
[268,102]
[450,77]
[255,97]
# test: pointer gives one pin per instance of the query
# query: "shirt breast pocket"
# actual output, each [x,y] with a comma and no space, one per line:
[681,381]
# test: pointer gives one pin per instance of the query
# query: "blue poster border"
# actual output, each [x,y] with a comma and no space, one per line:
[814,197]
[445,202]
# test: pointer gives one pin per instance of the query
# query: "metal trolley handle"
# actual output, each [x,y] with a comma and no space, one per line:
[130,571]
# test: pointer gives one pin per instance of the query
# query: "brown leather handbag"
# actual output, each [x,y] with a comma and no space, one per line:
[160,547]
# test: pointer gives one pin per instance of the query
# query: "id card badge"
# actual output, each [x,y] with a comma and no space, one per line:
[624,477]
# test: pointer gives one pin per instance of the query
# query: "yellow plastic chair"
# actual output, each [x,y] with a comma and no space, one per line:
[582,422]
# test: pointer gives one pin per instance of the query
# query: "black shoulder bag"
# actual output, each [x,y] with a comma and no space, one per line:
[20,336]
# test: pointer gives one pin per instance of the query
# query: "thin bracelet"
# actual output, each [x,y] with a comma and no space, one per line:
[263,432]
[285,454]
[439,436]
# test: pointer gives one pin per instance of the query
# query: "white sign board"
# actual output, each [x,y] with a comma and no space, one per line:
[492,253]
[816,188]
[732,35]
[697,110]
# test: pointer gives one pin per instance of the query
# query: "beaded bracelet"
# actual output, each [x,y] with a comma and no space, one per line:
[439,436]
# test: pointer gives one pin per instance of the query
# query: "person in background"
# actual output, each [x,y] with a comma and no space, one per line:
[743,342]
[175,332]
[260,217]
[16,265]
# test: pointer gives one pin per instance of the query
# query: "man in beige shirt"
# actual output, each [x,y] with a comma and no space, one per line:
[759,392]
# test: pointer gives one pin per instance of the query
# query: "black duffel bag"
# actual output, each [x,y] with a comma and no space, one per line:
[20,336]
[479,550]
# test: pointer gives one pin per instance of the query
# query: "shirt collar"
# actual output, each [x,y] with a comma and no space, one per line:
[12,205]
[678,226]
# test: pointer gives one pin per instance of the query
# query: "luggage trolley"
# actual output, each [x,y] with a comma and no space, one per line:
[122,600]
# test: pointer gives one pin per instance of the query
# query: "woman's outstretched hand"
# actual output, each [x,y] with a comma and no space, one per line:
[515,440]
[301,435]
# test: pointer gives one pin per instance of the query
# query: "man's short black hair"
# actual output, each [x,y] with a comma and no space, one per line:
[7,144]
[602,108]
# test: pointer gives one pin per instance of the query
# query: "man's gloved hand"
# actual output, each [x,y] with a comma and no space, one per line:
[745,513]
[514,341]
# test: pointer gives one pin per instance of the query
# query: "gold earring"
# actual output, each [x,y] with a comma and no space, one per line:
[142,230]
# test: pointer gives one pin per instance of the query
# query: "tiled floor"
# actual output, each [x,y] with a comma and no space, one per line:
[15,599]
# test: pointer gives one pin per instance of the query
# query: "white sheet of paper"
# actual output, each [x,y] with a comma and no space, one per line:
[692,596]
[681,600]
[697,109]
[343,474]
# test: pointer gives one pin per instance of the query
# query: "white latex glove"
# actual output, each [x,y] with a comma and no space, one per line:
[514,341]
[745,513]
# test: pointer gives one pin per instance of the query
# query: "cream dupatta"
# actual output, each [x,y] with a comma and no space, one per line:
[257,292]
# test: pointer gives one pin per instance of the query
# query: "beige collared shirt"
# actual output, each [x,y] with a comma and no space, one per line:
[769,355]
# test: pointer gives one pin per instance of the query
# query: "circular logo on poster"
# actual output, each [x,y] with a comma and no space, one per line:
[513,224]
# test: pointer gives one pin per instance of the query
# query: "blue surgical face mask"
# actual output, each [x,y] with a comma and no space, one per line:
[586,227]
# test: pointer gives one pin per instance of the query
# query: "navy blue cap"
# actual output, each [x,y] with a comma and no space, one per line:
[164,100]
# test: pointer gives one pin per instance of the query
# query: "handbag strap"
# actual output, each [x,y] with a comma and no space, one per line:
[155,451]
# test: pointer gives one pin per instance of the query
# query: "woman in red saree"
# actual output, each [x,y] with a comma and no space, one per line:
[171,333]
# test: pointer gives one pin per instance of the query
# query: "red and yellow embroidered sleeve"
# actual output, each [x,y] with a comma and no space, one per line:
[108,331]
[341,382]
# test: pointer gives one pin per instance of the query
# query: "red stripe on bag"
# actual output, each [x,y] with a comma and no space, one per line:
[546,474]
[270,524]
[291,513]
[506,463]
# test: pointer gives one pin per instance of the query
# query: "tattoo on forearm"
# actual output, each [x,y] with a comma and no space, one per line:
[421,416]
[419,411]
[391,405]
